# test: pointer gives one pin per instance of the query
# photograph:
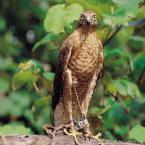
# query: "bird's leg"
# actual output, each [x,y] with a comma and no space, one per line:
[84,128]
[67,100]
[73,132]
[83,123]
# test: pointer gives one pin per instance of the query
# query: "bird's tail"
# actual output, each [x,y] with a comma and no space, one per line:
[59,115]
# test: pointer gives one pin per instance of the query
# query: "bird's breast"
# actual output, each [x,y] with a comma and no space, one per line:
[83,60]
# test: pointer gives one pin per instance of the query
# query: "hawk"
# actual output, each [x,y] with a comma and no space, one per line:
[80,64]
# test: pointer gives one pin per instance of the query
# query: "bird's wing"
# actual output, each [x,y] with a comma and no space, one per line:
[100,62]
[64,57]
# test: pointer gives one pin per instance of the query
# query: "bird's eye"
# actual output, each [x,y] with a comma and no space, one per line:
[81,17]
[94,17]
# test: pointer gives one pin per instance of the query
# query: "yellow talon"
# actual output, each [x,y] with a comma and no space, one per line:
[96,137]
[74,133]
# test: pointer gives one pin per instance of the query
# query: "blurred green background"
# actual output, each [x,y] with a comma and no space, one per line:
[31,32]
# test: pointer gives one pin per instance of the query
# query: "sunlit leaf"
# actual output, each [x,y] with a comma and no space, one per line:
[123,87]
[87,5]
[138,38]
[129,7]
[46,39]
[122,14]
[48,75]
[112,88]
[138,133]
[61,16]
[24,78]
[14,129]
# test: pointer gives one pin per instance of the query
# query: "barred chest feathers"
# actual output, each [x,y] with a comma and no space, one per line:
[84,56]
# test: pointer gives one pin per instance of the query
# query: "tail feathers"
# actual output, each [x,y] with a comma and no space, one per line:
[60,116]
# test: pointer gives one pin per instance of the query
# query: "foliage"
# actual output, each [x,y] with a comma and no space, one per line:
[137,133]
[14,129]
[61,16]
[28,57]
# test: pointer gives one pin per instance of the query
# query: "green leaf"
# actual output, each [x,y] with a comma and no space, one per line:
[5,106]
[61,16]
[14,129]
[4,85]
[120,52]
[48,75]
[88,5]
[46,39]
[124,11]
[33,65]
[24,78]
[13,104]
[6,64]
[29,73]
[138,38]
[139,64]
[16,102]
[131,88]
[122,130]
[130,8]
[123,87]
[112,88]
[138,133]
[2,23]
[43,111]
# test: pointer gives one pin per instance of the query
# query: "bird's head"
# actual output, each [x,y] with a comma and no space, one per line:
[88,19]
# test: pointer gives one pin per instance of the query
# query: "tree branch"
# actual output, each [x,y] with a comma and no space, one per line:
[141,4]
[141,77]
[112,35]
[132,24]
[59,140]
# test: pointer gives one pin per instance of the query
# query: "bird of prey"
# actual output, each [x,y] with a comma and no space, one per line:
[80,64]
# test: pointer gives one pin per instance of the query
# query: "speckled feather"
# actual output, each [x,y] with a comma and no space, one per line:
[82,54]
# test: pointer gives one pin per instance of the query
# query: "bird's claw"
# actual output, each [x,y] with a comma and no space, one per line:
[96,137]
[53,131]
[73,133]
[49,130]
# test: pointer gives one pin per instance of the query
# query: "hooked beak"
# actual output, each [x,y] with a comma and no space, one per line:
[88,20]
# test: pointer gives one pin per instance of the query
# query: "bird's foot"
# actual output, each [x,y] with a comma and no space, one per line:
[53,131]
[73,133]
[97,137]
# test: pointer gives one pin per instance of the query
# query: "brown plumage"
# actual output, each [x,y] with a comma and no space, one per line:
[79,67]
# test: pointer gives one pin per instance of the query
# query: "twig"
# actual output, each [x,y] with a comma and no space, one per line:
[118,28]
[141,78]
[112,35]
[104,110]
[141,4]
[131,69]
[118,98]
[36,87]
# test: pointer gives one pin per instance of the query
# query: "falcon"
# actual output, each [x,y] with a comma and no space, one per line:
[79,68]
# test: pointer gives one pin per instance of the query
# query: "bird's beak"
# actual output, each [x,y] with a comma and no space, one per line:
[88,20]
